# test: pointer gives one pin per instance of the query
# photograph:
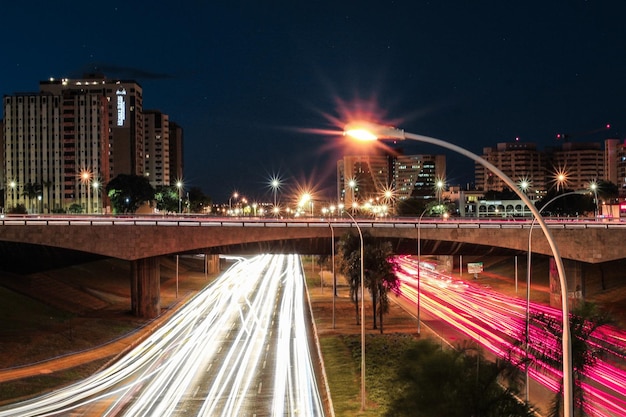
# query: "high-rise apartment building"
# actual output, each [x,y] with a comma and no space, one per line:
[520,161]
[63,144]
[615,163]
[176,153]
[56,148]
[157,148]
[417,175]
[580,163]
[124,104]
[365,177]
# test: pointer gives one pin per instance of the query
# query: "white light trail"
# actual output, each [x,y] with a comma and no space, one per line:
[212,347]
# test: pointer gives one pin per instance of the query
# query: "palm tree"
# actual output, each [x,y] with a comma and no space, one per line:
[378,271]
[31,190]
[455,383]
[585,319]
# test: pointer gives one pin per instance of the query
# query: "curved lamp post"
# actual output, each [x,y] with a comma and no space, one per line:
[419,269]
[528,272]
[362,316]
[374,132]
[85,177]
[179,185]
[96,190]
[593,186]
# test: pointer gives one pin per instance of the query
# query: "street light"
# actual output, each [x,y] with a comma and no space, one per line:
[332,260]
[366,132]
[352,185]
[593,186]
[85,178]
[528,272]
[95,185]
[13,185]
[230,200]
[362,316]
[419,268]
[275,184]
[179,185]
[439,184]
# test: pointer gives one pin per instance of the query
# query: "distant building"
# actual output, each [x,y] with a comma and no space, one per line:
[157,148]
[176,153]
[581,163]
[362,178]
[50,142]
[615,163]
[416,175]
[63,144]
[124,106]
[519,161]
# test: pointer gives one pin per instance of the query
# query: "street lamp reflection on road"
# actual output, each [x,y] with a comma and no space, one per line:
[371,132]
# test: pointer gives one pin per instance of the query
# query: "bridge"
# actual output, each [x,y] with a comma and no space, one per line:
[143,239]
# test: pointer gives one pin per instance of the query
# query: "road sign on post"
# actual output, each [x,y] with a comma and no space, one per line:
[475,268]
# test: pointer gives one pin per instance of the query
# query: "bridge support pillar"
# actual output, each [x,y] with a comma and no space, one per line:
[575,283]
[212,263]
[145,289]
[446,262]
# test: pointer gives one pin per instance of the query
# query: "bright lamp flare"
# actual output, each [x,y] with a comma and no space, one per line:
[361,134]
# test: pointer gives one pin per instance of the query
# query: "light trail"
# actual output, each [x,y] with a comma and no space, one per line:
[209,359]
[498,323]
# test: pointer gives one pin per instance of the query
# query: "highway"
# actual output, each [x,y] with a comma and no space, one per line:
[239,348]
[498,322]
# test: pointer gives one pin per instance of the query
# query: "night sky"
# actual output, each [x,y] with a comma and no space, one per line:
[263,88]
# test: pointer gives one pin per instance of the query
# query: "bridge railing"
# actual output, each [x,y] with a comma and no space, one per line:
[205,221]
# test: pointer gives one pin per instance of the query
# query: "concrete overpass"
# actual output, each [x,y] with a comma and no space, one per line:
[142,240]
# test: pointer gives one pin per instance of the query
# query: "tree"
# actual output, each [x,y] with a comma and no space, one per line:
[198,200]
[585,319]
[570,205]
[378,271]
[31,190]
[166,198]
[455,383]
[607,191]
[128,192]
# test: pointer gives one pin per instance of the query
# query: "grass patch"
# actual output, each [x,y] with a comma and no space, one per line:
[22,389]
[342,359]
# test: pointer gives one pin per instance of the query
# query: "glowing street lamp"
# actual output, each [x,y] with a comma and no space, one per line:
[593,186]
[95,186]
[352,185]
[230,200]
[275,184]
[86,177]
[13,186]
[419,268]
[362,314]
[373,132]
[560,178]
[179,185]
[305,199]
[439,186]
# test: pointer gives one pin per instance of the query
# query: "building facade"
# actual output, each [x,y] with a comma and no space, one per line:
[176,153]
[519,161]
[157,148]
[63,144]
[364,178]
[580,163]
